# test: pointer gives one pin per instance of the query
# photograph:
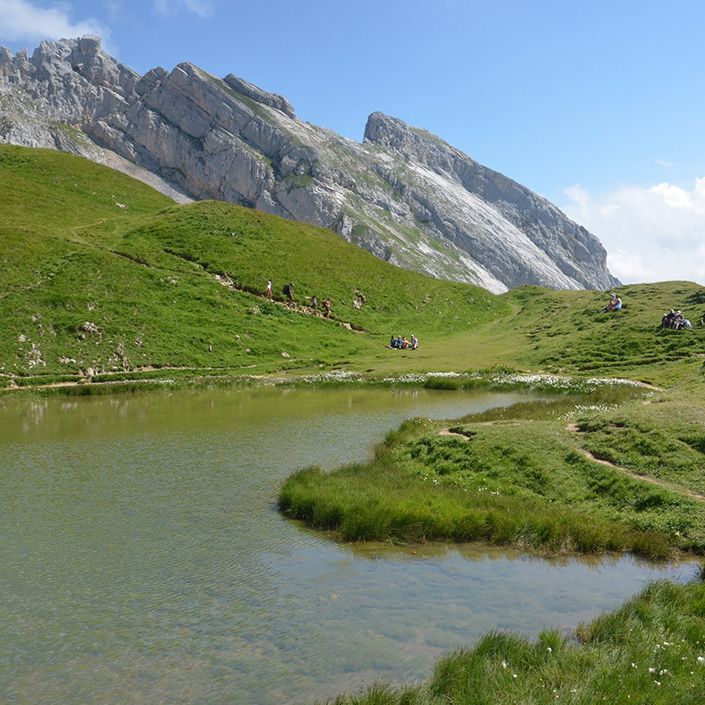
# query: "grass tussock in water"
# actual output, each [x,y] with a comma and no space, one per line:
[520,476]
[404,510]
[652,650]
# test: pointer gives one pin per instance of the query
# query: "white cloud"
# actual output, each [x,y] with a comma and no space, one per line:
[21,20]
[655,233]
[202,8]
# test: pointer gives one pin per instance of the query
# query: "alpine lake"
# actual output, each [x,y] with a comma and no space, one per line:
[143,559]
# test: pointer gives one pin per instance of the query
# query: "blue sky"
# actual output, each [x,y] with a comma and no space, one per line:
[597,105]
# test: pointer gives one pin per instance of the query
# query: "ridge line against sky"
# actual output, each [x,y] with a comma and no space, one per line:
[598,107]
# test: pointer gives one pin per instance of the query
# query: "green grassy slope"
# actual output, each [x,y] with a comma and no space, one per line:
[81,244]
[566,331]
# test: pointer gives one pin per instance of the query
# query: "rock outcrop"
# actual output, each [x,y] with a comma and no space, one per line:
[402,193]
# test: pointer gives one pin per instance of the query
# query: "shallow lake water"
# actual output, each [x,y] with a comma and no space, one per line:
[142,559]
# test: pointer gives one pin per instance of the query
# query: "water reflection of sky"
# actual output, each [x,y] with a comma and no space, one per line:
[144,561]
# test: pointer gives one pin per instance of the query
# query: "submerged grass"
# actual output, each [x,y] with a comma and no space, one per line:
[652,650]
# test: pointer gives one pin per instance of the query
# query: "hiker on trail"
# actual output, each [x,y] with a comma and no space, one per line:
[289,291]
[268,292]
[326,306]
[314,302]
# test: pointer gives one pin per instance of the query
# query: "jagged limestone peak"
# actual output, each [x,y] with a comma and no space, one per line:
[404,194]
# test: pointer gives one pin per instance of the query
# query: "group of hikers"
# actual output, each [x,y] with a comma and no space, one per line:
[288,291]
[675,320]
[399,342]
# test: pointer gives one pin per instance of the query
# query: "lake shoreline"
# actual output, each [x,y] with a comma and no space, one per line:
[502,379]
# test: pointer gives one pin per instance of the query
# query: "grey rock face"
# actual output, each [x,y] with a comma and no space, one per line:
[403,193]
[257,94]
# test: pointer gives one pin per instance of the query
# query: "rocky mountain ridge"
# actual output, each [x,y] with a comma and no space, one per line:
[402,193]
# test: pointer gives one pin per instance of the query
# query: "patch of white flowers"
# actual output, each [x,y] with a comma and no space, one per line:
[406,379]
[545,381]
[585,408]
[612,382]
[332,376]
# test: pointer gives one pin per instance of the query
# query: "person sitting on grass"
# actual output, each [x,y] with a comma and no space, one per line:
[615,303]
[667,321]
[675,320]
[680,322]
[399,342]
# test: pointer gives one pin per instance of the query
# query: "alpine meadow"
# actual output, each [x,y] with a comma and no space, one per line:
[109,286]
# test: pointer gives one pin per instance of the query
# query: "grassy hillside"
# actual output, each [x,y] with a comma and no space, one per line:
[567,331]
[100,271]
